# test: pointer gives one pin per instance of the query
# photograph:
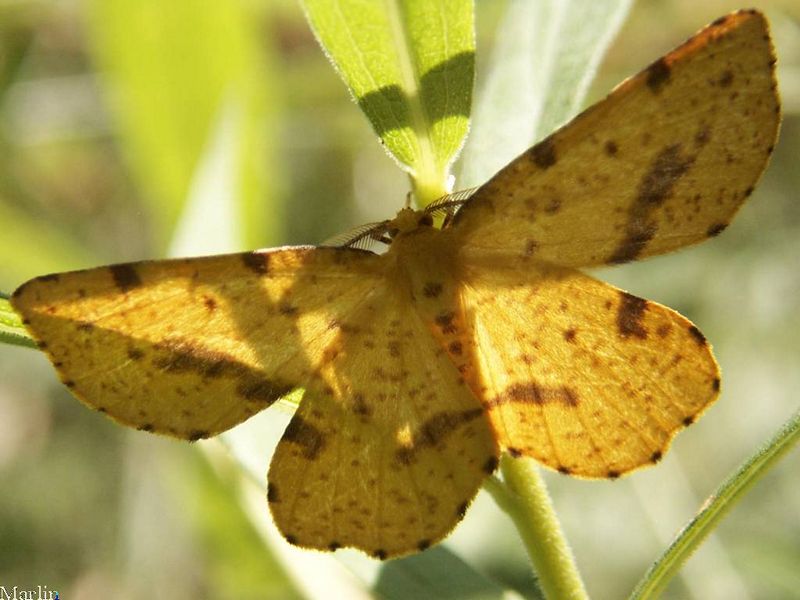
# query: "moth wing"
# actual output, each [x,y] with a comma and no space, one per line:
[583,377]
[663,162]
[192,347]
[388,446]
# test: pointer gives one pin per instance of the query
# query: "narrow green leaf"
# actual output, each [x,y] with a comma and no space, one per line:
[437,574]
[409,64]
[715,508]
[170,67]
[12,331]
[546,56]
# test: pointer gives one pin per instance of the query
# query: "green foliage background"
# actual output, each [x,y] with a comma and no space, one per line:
[123,123]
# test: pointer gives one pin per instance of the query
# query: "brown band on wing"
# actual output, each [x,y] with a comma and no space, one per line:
[533,393]
[657,185]
[629,316]
[434,430]
[305,435]
[182,357]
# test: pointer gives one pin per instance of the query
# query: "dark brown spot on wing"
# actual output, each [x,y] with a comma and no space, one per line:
[135,354]
[455,348]
[360,406]
[543,154]
[287,309]
[726,79]
[553,206]
[445,322]
[611,148]
[719,21]
[697,335]
[258,262]
[432,289]
[491,464]
[307,436]
[716,229]
[197,434]
[658,75]
[702,137]
[272,493]
[629,316]
[663,330]
[125,277]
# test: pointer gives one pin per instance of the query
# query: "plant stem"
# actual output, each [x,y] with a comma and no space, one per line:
[523,496]
[718,504]
[428,189]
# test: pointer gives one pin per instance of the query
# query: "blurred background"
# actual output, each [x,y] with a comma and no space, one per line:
[122,124]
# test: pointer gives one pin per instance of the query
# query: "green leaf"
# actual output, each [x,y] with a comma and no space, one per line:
[715,508]
[12,331]
[171,67]
[409,64]
[436,574]
[546,56]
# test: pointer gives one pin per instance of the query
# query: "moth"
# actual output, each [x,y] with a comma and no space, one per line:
[463,340]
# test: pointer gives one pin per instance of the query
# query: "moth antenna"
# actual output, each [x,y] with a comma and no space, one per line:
[361,237]
[448,205]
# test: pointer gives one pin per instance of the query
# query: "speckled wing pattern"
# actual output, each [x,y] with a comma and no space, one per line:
[583,377]
[388,446]
[178,347]
[663,162]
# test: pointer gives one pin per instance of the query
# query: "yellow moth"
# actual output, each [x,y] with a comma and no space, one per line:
[422,364]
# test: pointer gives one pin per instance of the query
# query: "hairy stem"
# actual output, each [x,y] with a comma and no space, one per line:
[523,496]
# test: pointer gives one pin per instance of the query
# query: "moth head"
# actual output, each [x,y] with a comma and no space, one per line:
[408,220]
